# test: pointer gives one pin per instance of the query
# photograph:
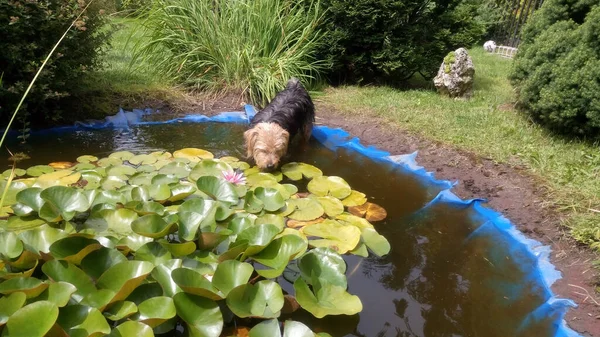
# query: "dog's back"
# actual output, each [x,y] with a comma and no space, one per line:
[291,108]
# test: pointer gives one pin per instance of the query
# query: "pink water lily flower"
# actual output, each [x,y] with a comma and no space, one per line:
[234,177]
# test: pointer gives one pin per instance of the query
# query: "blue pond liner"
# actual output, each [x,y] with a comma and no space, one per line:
[509,240]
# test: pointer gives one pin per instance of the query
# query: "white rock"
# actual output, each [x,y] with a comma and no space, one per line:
[489,46]
[455,77]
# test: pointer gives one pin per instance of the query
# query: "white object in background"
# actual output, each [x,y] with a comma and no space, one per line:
[489,46]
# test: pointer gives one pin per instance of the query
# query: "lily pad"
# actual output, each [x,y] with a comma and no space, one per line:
[295,171]
[67,272]
[112,183]
[30,286]
[375,241]
[203,316]
[153,252]
[263,299]
[278,254]
[152,226]
[271,198]
[257,237]
[193,282]
[106,162]
[193,154]
[10,304]
[195,214]
[335,235]
[217,189]
[210,167]
[123,155]
[81,320]
[369,210]
[18,172]
[120,310]
[181,191]
[87,159]
[132,328]
[252,204]
[354,199]
[20,323]
[327,299]
[11,193]
[10,245]
[31,197]
[143,159]
[120,170]
[155,311]
[163,275]
[114,221]
[230,274]
[179,249]
[334,186]
[124,277]
[73,248]
[176,169]
[99,261]
[331,205]
[305,209]
[272,219]
[38,170]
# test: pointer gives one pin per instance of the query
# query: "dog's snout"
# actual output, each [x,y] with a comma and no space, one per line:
[270,166]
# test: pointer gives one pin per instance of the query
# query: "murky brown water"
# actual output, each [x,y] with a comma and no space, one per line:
[440,278]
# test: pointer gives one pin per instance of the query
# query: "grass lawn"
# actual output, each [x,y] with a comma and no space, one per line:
[489,126]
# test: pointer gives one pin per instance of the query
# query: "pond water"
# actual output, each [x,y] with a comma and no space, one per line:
[441,278]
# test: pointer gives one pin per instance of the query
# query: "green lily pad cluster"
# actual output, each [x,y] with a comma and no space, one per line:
[131,245]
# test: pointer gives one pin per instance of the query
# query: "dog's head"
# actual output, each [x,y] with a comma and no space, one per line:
[266,143]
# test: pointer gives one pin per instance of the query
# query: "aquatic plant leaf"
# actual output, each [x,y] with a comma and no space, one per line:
[210,167]
[38,170]
[18,172]
[360,250]
[142,178]
[195,214]
[295,171]
[179,249]
[163,275]
[334,186]
[159,192]
[155,311]
[259,178]
[323,263]
[120,170]
[114,221]
[353,220]
[193,282]
[263,299]
[106,197]
[193,154]
[106,162]
[132,328]
[267,328]
[278,254]
[73,248]
[152,226]
[112,183]
[81,320]
[61,165]
[327,299]
[203,316]
[149,208]
[67,272]
[57,178]
[30,286]
[123,155]
[331,205]
[270,197]
[154,253]
[120,310]
[355,198]
[161,155]
[272,219]
[376,242]
[143,159]
[217,189]
[298,329]
[335,235]
[87,159]
[10,245]
[20,324]
[252,204]
[31,197]
[305,209]
[18,223]
[14,188]
[99,261]
[10,304]
[176,169]
[58,293]
[181,191]
[230,274]
[257,237]
[369,211]
[124,277]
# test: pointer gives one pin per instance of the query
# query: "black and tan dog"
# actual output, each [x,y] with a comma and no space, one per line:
[291,112]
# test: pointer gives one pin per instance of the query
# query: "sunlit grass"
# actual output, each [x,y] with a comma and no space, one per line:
[489,126]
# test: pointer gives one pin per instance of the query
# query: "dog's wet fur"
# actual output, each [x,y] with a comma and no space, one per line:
[290,113]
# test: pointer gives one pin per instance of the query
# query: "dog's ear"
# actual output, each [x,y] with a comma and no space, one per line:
[283,141]
[249,139]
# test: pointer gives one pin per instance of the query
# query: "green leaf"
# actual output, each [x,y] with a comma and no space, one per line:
[18,223]
[376,242]
[38,170]
[328,299]
[298,329]
[10,304]
[153,252]
[263,299]
[112,221]
[278,254]
[124,277]
[193,282]
[142,179]
[295,171]
[58,293]
[331,205]
[155,311]
[81,320]
[203,316]
[257,237]
[217,189]
[150,207]
[179,249]
[31,197]
[67,272]
[120,310]
[140,193]
[163,275]
[209,167]
[160,192]
[20,323]
[133,241]
[354,199]
[120,170]
[132,328]
[143,159]
[99,261]
[31,286]
[252,204]
[108,197]
[73,248]
[305,209]
[11,194]
[195,214]
[333,186]
[152,226]
[112,183]
[123,155]
[272,219]
[181,191]
[266,328]
[230,274]
[10,245]
[66,200]
[270,197]
[323,263]
[336,236]
[86,159]
[176,169]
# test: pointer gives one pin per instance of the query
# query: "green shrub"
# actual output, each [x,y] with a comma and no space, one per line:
[378,40]
[252,46]
[557,69]
[29,30]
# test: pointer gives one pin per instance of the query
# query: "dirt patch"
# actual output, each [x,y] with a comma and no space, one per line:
[509,190]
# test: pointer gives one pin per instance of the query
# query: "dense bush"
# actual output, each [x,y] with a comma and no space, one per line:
[374,40]
[253,46]
[29,30]
[557,70]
